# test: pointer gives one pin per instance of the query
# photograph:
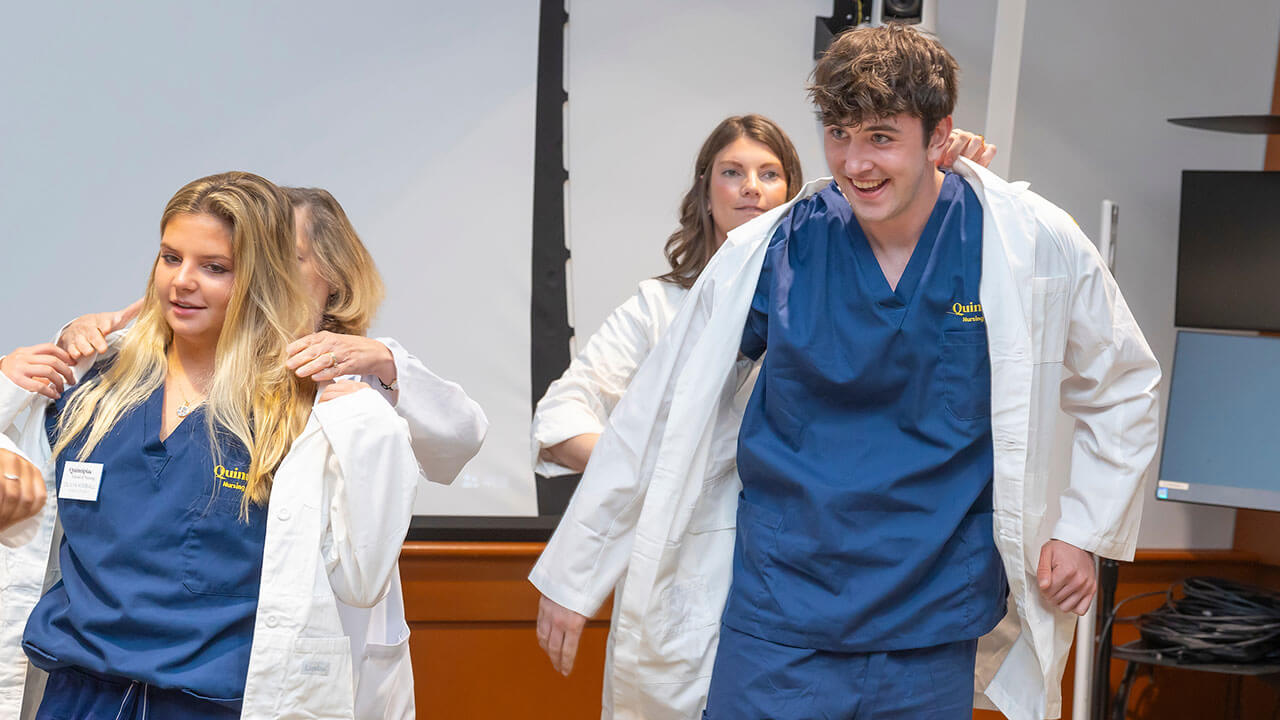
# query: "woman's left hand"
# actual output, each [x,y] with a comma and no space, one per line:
[326,355]
[335,390]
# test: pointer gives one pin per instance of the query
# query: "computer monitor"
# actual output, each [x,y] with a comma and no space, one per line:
[1228,251]
[1222,429]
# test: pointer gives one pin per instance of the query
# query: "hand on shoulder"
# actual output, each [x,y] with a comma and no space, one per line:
[964,144]
[326,355]
[43,369]
[87,334]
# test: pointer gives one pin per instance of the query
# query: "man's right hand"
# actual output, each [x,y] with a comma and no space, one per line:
[22,491]
[559,630]
[87,334]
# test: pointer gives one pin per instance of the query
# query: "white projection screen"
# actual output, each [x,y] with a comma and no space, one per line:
[418,116]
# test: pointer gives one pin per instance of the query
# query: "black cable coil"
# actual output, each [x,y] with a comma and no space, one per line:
[1214,621]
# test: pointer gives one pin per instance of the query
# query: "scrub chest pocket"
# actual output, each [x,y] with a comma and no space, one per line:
[221,554]
[965,373]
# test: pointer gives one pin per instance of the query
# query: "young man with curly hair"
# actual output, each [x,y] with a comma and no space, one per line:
[903,542]
[894,455]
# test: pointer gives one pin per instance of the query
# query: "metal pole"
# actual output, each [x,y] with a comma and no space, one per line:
[1108,576]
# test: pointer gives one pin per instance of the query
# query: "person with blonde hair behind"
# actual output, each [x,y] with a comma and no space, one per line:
[214,511]
[446,427]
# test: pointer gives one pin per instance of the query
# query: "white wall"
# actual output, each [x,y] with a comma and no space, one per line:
[647,83]
[417,116]
[1098,82]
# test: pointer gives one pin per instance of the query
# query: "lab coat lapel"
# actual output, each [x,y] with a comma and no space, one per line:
[1008,268]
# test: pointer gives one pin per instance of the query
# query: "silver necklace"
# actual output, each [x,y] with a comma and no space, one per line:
[186,407]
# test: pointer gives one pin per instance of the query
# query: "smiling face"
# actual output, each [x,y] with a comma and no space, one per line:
[887,169]
[194,275]
[746,179]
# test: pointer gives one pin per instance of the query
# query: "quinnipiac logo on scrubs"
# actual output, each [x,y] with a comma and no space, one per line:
[967,312]
[230,478]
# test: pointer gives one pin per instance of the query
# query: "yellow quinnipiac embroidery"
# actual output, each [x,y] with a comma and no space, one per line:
[228,476]
[968,312]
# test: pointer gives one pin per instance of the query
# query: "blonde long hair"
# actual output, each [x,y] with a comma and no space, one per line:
[252,396]
[341,259]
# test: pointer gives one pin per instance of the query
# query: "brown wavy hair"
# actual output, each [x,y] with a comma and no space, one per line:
[691,246]
[877,72]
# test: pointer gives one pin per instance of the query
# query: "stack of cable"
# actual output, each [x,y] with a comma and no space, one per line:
[1214,621]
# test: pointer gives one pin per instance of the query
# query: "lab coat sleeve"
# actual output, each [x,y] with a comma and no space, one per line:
[588,552]
[1111,393]
[446,427]
[582,399]
[587,555]
[371,480]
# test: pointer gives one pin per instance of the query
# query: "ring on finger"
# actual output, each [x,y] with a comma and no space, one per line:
[11,476]
[333,359]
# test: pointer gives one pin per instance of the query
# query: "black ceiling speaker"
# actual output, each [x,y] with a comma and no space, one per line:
[851,13]
[907,11]
[844,15]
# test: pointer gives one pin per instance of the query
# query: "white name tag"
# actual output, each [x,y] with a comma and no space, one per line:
[80,481]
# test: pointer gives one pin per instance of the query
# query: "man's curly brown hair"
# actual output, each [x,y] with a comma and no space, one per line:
[877,72]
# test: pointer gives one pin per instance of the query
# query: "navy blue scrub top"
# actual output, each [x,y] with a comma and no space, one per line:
[160,575]
[865,451]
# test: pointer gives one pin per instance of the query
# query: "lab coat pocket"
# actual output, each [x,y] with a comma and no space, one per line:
[1048,319]
[965,373]
[317,679]
[221,555]
[717,505]
[385,688]
[1035,534]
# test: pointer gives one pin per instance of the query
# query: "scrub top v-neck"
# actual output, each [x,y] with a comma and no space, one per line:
[865,450]
[160,574]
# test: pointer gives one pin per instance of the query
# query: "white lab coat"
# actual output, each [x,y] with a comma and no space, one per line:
[360,530]
[446,429]
[1049,305]
[581,399]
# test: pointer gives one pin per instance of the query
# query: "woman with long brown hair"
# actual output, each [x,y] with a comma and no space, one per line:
[746,166]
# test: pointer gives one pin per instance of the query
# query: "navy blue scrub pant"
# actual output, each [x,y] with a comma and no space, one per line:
[76,695]
[755,679]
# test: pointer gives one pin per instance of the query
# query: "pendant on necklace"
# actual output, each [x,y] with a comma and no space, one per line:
[183,410]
